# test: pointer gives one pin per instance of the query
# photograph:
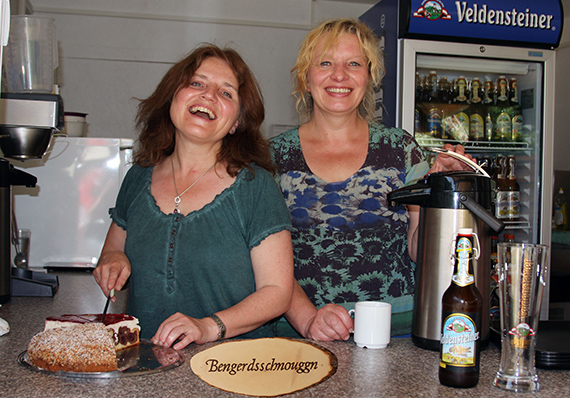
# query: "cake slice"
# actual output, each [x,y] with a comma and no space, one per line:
[125,328]
[85,347]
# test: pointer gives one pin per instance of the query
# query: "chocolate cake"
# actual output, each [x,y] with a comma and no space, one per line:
[125,328]
[85,347]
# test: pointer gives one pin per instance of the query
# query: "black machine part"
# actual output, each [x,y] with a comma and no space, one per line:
[452,190]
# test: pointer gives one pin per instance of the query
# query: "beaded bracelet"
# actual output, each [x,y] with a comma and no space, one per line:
[221,326]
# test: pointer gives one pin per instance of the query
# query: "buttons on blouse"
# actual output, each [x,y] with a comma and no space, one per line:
[171,247]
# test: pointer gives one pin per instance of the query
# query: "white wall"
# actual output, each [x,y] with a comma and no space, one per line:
[111,51]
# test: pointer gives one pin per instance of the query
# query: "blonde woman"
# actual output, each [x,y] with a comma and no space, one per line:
[336,170]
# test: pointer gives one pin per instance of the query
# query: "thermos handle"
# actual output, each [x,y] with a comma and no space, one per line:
[495,224]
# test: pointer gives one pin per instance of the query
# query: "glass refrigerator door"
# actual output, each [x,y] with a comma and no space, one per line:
[437,80]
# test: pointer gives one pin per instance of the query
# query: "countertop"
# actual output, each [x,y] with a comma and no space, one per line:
[399,370]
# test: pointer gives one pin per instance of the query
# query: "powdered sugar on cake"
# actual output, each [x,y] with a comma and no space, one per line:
[80,348]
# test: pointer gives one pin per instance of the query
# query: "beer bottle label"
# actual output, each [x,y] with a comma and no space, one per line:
[463,119]
[476,127]
[434,122]
[503,125]
[517,127]
[489,127]
[514,204]
[502,90]
[508,205]
[417,120]
[459,339]
[461,85]
[463,254]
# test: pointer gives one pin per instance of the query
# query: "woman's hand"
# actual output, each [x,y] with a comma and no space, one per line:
[445,162]
[186,330]
[113,268]
[331,322]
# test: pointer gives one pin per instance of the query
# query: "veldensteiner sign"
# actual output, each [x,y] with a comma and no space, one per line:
[513,22]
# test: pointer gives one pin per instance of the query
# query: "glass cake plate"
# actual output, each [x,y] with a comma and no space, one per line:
[146,358]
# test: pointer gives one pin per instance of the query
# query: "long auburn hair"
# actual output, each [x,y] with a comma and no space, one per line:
[247,145]
[330,31]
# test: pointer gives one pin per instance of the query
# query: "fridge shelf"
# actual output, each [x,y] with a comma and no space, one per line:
[517,224]
[474,145]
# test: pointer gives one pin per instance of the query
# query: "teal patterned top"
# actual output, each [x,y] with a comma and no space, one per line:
[350,245]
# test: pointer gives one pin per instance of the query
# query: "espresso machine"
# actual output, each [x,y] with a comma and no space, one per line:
[27,123]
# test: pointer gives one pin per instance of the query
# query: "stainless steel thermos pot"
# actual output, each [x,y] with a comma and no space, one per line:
[448,201]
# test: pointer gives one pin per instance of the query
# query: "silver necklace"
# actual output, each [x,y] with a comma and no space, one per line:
[178,197]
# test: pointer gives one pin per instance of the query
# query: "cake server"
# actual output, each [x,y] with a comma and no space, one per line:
[111,294]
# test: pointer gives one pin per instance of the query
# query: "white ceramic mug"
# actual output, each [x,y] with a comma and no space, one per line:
[372,323]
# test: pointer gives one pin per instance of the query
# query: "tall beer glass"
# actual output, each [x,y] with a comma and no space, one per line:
[522,276]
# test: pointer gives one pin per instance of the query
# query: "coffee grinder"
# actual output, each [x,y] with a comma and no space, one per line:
[27,123]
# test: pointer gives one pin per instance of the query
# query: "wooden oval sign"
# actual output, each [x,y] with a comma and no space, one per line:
[264,367]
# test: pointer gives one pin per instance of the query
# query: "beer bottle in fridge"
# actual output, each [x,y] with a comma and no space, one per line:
[502,120]
[462,306]
[516,111]
[502,189]
[418,113]
[488,103]
[476,112]
[434,112]
[462,106]
[445,98]
[514,191]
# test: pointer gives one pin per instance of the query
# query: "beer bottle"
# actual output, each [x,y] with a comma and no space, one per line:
[445,98]
[488,102]
[418,114]
[514,191]
[462,113]
[502,120]
[461,320]
[434,112]
[476,112]
[516,111]
[502,197]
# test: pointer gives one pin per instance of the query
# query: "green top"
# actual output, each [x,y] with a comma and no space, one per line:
[200,263]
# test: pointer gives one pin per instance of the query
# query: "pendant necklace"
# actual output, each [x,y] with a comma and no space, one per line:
[178,197]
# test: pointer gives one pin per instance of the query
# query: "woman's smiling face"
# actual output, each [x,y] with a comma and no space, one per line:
[208,108]
[337,79]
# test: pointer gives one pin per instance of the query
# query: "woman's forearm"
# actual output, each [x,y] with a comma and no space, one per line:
[301,311]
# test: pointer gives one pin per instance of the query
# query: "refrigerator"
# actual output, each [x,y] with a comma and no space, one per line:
[68,210]
[466,41]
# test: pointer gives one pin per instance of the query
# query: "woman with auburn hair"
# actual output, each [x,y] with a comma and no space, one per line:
[200,228]
[335,171]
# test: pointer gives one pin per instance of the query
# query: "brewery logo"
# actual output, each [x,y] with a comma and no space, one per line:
[522,330]
[432,10]
[458,326]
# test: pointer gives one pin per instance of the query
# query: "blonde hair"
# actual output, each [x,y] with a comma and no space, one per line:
[331,31]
